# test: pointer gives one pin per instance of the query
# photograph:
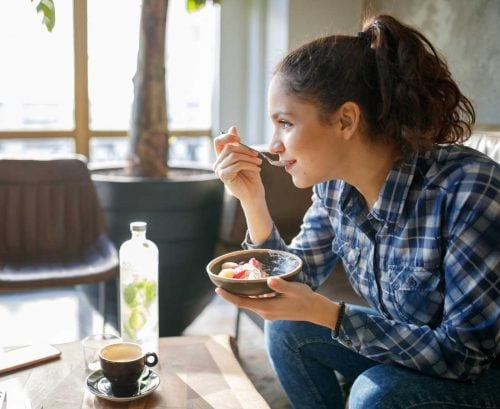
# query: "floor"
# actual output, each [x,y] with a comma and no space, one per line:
[36,316]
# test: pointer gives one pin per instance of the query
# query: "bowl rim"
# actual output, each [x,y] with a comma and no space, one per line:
[253,280]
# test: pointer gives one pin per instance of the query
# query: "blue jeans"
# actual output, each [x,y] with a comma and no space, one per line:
[305,356]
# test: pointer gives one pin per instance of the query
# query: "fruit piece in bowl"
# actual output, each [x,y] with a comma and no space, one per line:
[237,273]
[245,271]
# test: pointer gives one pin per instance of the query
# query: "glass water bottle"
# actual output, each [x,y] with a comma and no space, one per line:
[139,289]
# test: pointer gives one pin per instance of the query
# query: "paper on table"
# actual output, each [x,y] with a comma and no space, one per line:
[15,395]
[25,356]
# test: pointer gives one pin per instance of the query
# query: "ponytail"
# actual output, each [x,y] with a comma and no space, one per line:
[404,89]
[421,103]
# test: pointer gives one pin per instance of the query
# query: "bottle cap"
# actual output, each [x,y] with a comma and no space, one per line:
[138,226]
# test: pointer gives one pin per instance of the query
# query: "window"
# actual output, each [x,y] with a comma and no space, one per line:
[36,73]
[38,78]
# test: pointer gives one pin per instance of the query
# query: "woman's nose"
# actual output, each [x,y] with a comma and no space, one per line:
[276,146]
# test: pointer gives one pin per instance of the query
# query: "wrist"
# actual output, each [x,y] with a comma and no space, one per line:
[258,220]
[327,312]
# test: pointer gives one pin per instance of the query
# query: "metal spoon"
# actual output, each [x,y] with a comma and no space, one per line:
[278,163]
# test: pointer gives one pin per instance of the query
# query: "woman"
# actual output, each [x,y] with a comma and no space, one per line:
[373,122]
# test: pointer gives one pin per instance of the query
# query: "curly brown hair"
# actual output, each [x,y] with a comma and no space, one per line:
[403,87]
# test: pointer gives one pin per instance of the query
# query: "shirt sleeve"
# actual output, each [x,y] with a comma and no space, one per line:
[467,339]
[313,244]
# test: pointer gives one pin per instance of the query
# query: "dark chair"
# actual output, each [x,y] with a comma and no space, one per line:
[52,230]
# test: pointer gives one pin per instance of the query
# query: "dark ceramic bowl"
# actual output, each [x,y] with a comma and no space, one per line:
[275,262]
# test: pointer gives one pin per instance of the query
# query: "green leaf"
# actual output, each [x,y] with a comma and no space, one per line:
[47,8]
[193,5]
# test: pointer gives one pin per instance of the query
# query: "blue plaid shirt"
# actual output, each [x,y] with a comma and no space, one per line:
[426,257]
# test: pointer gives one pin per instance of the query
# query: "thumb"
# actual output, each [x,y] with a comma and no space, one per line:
[231,136]
[279,285]
[233,131]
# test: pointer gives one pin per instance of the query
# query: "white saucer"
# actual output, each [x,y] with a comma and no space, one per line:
[99,386]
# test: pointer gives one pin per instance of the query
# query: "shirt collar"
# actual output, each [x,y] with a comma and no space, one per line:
[394,192]
[392,196]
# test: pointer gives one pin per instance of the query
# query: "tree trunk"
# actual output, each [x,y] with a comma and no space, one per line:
[149,128]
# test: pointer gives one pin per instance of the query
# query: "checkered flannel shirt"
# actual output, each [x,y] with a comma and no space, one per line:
[426,257]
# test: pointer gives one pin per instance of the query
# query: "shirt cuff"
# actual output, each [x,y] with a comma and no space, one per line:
[271,242]
[352,321]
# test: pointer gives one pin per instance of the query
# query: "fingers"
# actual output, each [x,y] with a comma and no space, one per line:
[229,142]
[231,153]
[234,159]
[231,136]
[254,304]
[233,299]
[284,287]
[292,303]
[232,173]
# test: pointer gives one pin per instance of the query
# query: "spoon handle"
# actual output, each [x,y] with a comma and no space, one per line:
[263,155]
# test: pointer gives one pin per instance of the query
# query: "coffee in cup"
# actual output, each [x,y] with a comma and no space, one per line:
[123,363]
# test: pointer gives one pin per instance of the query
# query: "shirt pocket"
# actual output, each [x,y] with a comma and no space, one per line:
[417,294]
[354,266]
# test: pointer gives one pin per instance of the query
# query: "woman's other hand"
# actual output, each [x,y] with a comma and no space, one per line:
[238,167]
[296,302]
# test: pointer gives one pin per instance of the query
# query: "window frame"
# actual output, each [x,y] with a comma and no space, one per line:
[82,133]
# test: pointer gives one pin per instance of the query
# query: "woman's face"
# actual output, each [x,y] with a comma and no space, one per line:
[312,150]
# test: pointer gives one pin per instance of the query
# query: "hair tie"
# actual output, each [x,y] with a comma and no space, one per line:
[365,37]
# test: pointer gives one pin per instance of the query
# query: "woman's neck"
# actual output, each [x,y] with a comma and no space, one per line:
[371,163]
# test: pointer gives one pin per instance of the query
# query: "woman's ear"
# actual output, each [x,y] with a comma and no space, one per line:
[348,116]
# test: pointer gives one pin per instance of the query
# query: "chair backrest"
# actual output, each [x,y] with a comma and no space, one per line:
[486,142]
[49,210]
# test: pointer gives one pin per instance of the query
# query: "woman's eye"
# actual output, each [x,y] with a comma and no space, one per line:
[285,124]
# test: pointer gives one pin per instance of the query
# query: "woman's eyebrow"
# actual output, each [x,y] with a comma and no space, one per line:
[278,113]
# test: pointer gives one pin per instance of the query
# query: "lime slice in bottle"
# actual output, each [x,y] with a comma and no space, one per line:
[130,295]
[137,320]
[149,291]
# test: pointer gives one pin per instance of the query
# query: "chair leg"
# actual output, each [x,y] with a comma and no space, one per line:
[101,300]
[237,324]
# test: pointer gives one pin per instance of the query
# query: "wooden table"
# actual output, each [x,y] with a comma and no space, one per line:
[195,372]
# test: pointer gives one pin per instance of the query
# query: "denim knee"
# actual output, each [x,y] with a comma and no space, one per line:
[372,388]
[391,386]
[286,336]
[278,336]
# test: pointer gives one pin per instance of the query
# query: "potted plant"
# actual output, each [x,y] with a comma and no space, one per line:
[181,206]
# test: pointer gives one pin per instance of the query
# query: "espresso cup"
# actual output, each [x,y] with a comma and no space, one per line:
[122,363]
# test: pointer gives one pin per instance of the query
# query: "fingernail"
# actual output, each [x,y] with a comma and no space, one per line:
[272,280]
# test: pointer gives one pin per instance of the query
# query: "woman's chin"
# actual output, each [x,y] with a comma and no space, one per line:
[301,182]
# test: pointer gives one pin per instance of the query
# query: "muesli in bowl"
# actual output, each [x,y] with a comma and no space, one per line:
[245,272]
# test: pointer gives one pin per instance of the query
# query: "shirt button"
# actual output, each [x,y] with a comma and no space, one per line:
[412,282]
[348,342]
